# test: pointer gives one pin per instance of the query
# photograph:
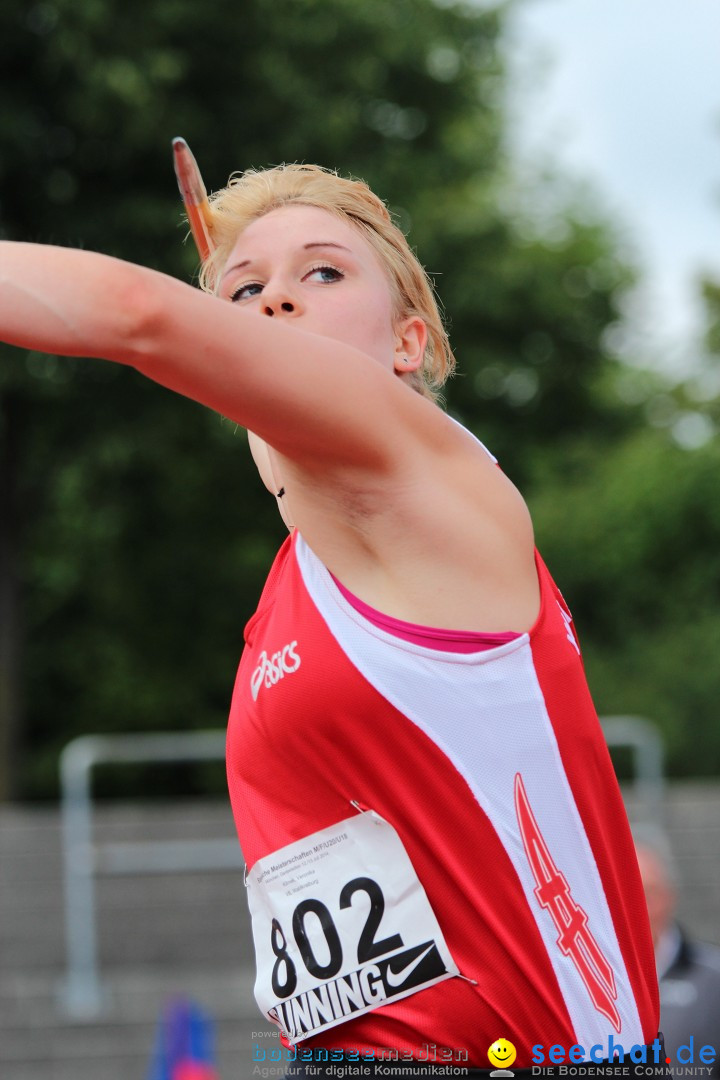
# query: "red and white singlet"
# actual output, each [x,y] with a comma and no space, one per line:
[492,768]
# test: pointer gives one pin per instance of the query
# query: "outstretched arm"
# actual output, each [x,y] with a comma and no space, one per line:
[305,394]
[383,479]
[74,303]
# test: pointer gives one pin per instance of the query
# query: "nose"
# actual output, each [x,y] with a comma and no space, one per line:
[278,299]
[271,309]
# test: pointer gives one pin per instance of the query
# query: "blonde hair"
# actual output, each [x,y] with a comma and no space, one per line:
[254,193]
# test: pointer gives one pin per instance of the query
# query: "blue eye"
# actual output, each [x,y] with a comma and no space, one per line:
[250,288]
[328,274]
[323,274]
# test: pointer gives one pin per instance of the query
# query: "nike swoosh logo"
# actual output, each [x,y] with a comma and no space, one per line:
[397,978]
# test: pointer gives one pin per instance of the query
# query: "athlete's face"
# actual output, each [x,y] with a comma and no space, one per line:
[316,271]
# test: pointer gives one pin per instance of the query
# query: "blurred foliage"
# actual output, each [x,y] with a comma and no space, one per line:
[634,541]
[141,533]
[711,296]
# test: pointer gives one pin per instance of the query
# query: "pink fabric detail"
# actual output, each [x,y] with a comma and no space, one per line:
[457,641]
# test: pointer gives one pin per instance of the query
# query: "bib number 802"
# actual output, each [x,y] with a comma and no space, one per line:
[284,973]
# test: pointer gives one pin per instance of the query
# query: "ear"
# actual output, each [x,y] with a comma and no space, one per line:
[410,341]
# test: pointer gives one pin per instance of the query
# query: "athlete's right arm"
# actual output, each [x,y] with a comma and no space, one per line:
[260,372]
[347,425]
[73,303]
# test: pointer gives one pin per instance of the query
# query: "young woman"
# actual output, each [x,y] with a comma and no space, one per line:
[438,856]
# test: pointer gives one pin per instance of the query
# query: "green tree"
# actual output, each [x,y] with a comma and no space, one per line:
[633,536]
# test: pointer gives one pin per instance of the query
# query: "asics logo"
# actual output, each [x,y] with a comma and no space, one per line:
[272,669]
[567,619]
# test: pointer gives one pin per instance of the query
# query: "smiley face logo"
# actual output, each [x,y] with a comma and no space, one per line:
[502,1053]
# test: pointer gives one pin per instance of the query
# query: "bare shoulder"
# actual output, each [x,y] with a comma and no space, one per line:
[450,473]
[443,538]
[478,516]
[475,476]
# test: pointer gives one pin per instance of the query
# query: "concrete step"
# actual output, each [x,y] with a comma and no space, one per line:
[170,918]
[160,937]
[38,1043]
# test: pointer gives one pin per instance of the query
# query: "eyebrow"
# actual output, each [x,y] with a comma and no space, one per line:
[305,247]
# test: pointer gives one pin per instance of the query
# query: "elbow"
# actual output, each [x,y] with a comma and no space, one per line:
[141,320]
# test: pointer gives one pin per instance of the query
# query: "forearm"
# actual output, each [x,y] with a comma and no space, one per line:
[75,303]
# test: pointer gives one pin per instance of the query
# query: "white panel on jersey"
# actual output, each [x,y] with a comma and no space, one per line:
[485,711]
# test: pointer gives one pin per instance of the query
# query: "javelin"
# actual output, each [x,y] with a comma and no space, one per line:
[194,197]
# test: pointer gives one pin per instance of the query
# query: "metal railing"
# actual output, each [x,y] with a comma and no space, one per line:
[643,739]
[82,995]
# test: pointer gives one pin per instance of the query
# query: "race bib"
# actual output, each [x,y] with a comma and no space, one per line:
[341,926]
